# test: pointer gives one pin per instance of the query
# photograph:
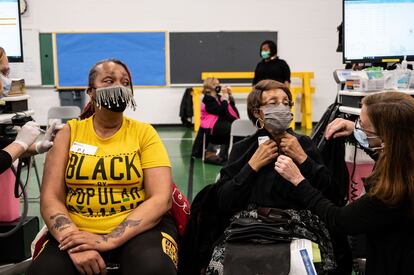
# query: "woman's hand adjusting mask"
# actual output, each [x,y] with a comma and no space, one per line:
[264,154]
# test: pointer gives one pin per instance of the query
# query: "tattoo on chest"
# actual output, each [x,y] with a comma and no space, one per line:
[61,221]
[117,232]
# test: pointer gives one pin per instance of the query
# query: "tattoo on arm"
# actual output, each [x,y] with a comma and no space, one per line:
[61,221]
[120,229]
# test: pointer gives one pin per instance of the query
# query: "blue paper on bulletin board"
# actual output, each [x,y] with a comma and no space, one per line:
[143,52]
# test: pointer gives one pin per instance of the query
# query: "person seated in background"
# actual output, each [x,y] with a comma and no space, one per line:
[386,213]
[218,111]
[107,189]
[249,177]
[271,66]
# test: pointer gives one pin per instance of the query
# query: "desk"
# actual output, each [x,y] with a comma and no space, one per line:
[15,98]
[351,101]
[12,104]
[350,110]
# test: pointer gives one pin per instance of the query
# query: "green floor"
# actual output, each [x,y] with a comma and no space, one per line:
[178,141]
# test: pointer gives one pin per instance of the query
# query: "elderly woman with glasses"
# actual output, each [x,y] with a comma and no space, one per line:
[249,177]
[249,180]
[386,213]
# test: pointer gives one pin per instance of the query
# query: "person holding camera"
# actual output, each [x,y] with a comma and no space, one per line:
[218,111]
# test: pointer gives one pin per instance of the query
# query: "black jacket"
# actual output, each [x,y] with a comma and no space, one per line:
[390,238]
[240,185]
[186,106]
[5,161]
[276,69]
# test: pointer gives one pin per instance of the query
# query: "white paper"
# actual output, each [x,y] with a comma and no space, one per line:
[262,139]
[301,258]
[30,69]
[81,148]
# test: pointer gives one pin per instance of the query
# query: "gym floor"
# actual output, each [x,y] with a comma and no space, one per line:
[178,142]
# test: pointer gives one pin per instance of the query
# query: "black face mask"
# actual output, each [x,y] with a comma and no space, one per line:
[115,98]
[118,106]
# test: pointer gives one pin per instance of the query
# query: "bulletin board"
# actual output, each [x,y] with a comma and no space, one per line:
[145,54]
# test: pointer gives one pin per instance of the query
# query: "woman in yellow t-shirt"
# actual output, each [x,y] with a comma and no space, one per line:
[107,189]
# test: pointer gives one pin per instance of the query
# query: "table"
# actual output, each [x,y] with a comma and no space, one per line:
[6,118]
[351,101]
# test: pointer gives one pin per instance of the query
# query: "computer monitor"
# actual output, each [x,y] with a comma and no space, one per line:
[378,30]
[11,30]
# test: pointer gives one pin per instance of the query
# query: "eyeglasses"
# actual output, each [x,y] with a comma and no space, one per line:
[288,103]
[359,127]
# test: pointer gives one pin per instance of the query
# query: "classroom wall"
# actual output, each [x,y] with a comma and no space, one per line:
[307,38]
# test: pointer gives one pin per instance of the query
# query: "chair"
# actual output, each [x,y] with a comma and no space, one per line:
[241,128]
[205,142]
[63,112]
[58,112]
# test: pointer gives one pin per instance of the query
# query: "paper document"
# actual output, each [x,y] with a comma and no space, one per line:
[301,258]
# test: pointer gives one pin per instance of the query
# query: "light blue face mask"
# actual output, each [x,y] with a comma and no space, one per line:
[265,54]
[6,84]
[362,138]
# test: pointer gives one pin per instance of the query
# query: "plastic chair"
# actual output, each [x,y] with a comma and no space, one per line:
[205,133]
[241,128]
[63,112]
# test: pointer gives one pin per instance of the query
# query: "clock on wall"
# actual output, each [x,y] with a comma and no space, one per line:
[23,6]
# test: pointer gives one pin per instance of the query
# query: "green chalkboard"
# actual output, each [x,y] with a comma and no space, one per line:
[46,58]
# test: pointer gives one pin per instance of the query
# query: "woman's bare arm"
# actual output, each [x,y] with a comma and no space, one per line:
[53,194]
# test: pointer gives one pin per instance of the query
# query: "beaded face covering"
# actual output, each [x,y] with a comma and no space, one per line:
[115,97]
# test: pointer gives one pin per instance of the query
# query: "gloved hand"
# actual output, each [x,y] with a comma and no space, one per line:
[47,142]
[27,134]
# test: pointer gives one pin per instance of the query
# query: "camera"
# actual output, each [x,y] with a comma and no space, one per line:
[8,131]
[20,119]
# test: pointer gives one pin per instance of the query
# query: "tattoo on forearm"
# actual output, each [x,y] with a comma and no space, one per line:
[117,232]
[61,221]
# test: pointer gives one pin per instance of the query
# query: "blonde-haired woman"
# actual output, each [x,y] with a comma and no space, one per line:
[386,213]
[218,110]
